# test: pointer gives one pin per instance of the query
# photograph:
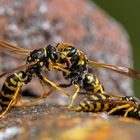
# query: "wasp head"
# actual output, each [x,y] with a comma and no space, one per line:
[52,53]
[69,51]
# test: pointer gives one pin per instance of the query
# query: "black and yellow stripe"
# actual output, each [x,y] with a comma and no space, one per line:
[77,63]
[94,103]
[126,106]
[92,84]
[9,88]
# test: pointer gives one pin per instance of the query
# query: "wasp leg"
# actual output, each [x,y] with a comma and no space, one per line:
[14,100]
[60,68]
[45,95]
[77,109]
[54,85]
[18,101]
[128,110]
[118,108]
[73,98]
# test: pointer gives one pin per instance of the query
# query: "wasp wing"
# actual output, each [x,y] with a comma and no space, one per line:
[120,69]
[17,68]
[6,46]
[112,99]
[119,102]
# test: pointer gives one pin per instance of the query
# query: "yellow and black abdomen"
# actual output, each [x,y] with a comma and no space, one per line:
[94,103]
[10,87]
[91,83]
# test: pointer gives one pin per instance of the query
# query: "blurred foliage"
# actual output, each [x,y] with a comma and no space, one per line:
[127,13]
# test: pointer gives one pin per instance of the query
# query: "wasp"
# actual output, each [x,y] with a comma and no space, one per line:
[77,63]
[127,106]
[37,60]
[72,62]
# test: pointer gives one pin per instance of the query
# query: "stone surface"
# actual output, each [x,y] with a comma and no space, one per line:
[43,122]
[33,24]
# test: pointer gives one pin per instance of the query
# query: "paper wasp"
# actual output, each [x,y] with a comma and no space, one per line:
[126,106]
[37,60]
[78,64]
[71,61]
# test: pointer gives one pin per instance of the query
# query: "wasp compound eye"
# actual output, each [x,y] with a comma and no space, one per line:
[56,56]
[71,52]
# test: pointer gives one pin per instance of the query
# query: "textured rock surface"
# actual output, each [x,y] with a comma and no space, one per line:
[33,24]
[43,122]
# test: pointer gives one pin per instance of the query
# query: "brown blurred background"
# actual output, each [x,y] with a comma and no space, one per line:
[127,13]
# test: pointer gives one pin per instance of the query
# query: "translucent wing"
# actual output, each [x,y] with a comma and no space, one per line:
[120,102]
[6,46]
[113,99]
[120,69]
[17,68]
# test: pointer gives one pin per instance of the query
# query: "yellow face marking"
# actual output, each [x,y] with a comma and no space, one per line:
[63,55]
[98,106]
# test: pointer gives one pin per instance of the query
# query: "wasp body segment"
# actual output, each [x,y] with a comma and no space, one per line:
[94,103]
[77,63]
[92,84]
[126,106]
[10,92]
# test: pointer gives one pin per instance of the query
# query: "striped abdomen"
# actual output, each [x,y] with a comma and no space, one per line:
[91,83]
[103,102]
[94,103]
[9,88]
